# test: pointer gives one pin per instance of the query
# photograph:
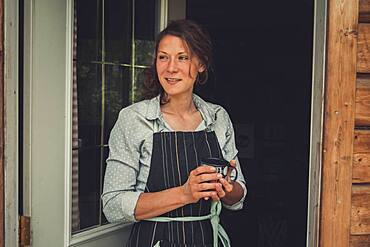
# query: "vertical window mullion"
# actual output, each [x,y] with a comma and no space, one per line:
[133,53]
[102,106]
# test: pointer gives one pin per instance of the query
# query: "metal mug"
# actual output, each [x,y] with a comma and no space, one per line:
[221,166]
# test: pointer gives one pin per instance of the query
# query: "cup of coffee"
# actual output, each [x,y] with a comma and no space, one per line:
[221,166]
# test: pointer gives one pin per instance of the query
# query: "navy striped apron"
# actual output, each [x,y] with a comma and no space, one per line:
[174,155]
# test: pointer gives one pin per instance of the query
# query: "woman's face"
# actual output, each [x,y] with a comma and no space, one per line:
[177,69]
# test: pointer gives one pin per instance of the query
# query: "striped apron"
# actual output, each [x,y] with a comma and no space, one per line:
[174,155]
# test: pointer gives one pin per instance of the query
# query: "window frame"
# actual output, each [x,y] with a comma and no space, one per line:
[100,231]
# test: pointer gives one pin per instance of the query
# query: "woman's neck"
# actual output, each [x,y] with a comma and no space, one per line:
[179,105]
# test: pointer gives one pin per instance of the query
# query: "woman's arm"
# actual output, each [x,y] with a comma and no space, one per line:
[198,186]
[233,193]
[230,192]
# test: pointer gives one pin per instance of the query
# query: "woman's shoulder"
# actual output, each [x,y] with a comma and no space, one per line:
[213,108]
[138,109]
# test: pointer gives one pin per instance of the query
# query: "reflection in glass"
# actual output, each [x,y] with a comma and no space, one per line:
[117,31]
[113,56]
[117,81]
[88,29]
[144,52]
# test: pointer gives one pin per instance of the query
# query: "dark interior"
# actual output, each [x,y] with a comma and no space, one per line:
[262,77]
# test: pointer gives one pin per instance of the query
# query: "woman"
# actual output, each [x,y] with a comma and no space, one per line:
[154,166]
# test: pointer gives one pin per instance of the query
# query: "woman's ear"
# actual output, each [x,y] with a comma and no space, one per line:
[201,68]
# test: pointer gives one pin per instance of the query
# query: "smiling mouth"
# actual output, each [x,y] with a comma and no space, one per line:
[172,80]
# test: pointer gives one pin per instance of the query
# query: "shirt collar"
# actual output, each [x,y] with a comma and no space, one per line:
[153,110]
[208,113]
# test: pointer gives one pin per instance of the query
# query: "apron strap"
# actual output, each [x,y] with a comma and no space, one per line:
[218,231]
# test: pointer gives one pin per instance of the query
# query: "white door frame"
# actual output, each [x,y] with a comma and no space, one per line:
[316,126]
[48,81]
[11,121]
[47,125]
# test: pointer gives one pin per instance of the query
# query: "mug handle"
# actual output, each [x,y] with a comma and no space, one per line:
[236,175]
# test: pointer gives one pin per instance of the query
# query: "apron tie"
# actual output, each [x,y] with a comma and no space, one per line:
[218,231]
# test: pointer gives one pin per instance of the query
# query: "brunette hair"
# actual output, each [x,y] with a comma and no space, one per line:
[199,44]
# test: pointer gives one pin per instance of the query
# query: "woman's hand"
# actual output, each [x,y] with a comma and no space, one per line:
[230,192]
[226,185]
[201,183]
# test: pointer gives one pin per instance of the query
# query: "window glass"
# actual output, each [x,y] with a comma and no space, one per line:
[114,45]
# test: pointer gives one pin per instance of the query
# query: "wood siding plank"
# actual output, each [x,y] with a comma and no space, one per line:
[361,143]
[360,241]
[360,211]
[363,43]
[364,7]
[361,157]
[363,101]
[361,168]
[339,118]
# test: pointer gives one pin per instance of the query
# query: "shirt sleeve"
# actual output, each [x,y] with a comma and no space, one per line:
[120,195]
[230,153]
[240,179]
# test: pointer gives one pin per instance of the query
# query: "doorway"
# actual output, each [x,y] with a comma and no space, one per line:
[263,77]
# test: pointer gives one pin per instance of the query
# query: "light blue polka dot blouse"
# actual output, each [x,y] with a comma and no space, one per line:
[130,150]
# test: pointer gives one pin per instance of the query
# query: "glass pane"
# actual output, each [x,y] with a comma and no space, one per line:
[117,93]
[145,12]
[105,155]
[88,30]
[139,79]
[86,153]
[89,186]
[144,52]
[89,90]
[117,30]
[107,78]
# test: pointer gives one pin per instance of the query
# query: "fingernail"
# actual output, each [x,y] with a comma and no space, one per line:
[219,175]
[213,169]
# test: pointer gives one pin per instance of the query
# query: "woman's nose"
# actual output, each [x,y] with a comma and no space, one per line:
[172,66]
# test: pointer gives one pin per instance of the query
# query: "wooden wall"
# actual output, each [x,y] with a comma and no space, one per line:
[345,197]
[360,204]
[339,109]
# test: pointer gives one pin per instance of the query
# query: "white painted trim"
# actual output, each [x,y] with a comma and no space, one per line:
[11,121]
[317,113]
[68,123]
[163,14]
[96,233]
[46,124]
[27,106]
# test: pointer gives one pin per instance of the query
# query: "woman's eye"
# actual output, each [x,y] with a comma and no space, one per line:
[183,58]
[162,57]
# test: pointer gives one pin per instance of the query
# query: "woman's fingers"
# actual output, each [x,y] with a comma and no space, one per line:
[228,187]
[202,169]
[206,194]
[208,177]
[220,191]
[206,186]
[199,184]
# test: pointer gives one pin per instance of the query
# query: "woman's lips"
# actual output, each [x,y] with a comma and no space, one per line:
[172,81]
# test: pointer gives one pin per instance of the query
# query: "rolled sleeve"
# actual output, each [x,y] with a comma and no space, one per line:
[238,205]
[120,193]
[240,179]
[230,152]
